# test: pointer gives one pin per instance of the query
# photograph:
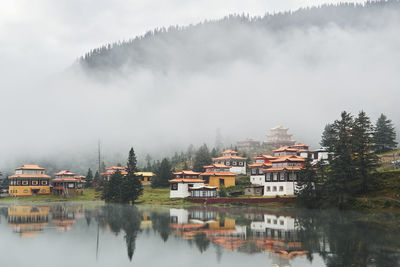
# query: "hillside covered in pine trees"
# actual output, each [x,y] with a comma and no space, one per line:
[236,38]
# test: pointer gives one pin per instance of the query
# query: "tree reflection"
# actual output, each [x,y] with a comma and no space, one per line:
[201,242]
[124,218]
[160,222]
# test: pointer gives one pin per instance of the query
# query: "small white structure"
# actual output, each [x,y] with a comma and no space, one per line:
[235,163]
[179,216]
[321,154]
[180,186]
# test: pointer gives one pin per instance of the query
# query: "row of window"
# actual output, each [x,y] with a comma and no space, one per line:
[281,222]
[256,171]
[184,176]
[286,176]
[234,163]
[26,182]
[274,189]
[26,191]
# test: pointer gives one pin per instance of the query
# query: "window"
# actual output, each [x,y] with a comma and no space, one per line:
[281,222]
[253,171]
[281,188]
[24,182]
[241,163]
[25,191]
[234,163]
[268,189]
[276,178]
[274,189]
[227,163]
[44,182]
[268,220]
[71,185]
[174,186]
[267,177]
[35,182]
[282,177]
[260,171]
[190,185]
[275,221]
[43,190]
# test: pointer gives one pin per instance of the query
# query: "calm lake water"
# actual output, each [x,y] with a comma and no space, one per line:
[117,235]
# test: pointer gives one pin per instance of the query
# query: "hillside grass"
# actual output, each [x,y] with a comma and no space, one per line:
[88,195]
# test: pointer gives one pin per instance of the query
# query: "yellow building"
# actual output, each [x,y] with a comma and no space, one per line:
[146,177]
[217,179]
[28,180]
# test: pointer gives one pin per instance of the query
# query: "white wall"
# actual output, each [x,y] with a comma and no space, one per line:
[183,190]
[257,179]
[181,215]
[238,169]
[288,188]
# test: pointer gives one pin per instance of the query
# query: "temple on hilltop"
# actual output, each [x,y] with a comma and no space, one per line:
[279,138]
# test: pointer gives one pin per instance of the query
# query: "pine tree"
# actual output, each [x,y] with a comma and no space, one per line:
[163,174]
[132,187]
[202,158]
[341,170]
[306,185]
[365,160]
[385,135]
[89,178]
[112,191]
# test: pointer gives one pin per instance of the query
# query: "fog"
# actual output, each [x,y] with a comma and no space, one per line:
[299,78]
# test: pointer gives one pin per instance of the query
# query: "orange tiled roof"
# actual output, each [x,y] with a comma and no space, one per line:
[80,177]
[218,174]
[292,158]
[229,157]
[64,180]
[187,173]
[229,151]
[29,176]
[282,169]
[261,164]
[216,165]
[186,180]
[30,167]
[116,168]
[65,172]
[300,145]
[285,148]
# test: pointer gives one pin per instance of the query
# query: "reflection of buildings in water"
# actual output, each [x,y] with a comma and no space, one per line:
[219,230]
[28,220]
[64,217]
[277,234]
[145,221]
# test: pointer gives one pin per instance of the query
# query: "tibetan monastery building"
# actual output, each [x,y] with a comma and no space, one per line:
[111,170]
[279,137]
[145,177]
[28,180]
[230,158]
[182,181]
[65,183]
[217,175]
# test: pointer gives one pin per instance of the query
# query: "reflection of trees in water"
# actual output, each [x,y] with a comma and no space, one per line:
[346,239]
[201,242]
[124,218]
[160,223]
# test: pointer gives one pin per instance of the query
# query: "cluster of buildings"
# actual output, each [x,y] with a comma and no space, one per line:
[222,172]
[31,179]
[274,174]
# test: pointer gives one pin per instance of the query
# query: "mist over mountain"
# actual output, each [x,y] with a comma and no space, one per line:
[177,85]
[213,44]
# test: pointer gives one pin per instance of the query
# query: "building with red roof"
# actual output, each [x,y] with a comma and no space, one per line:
[230,158]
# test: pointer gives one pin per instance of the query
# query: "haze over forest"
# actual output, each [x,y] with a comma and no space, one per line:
[176,85]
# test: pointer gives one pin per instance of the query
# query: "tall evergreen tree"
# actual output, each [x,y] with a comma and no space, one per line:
[89,178]
[202,158]
[365,160]
[132,187]
[163,174]
[385,135]
[112,191]
[341,174]
[306,185]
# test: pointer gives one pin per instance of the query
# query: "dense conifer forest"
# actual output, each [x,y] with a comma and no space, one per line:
[199,46]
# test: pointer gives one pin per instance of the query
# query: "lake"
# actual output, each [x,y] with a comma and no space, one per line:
[93,234]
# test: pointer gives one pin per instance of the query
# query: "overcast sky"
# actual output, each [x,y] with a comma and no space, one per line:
[44,115]
[40,37]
